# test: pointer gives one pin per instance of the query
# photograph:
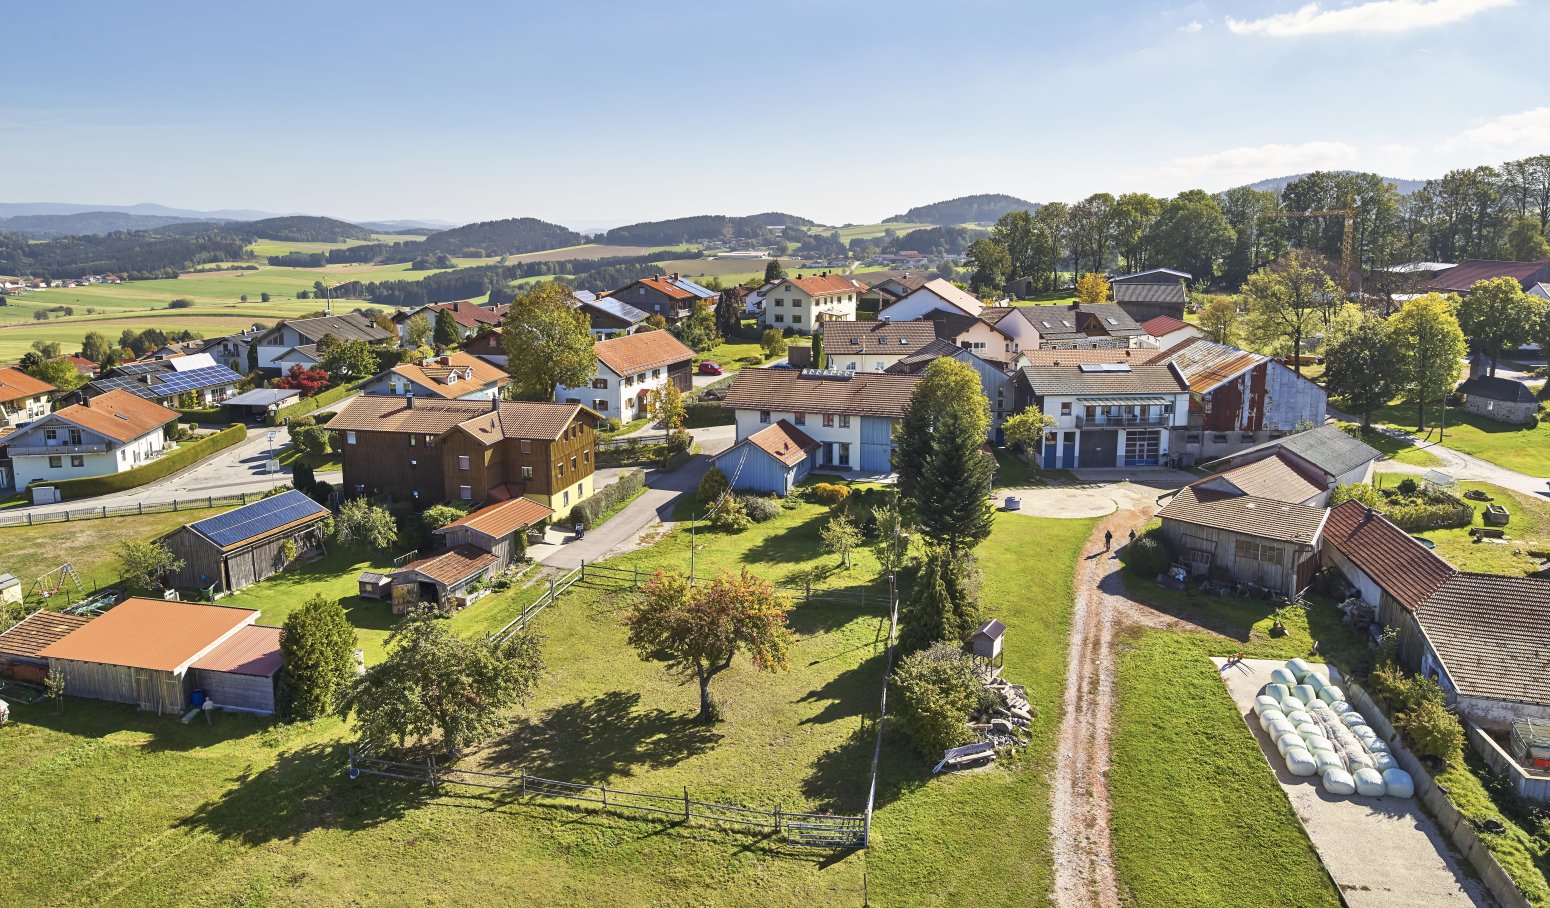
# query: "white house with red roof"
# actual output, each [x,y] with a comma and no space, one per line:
[1167,331]
[798,303]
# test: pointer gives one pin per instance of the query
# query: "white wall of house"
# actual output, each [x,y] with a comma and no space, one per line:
[1065,410]
[918,305]
[856,359]
[1019,329]
[788,306]
[839,435]
[52,467]
[16,412]
[615,396]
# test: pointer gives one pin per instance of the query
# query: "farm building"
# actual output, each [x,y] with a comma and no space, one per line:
[142,652]
[494,528]
[241,672]
[773,459]
[1327,450]
[1231,536]
[441,578]
[1501,399]
[20,646]
[239,548]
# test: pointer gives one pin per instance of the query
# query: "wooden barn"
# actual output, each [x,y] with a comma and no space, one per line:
[773,459]
[239,548]
[20,646]
[1245,538]
[494,528]
[241,672]
[441,578]
[143,651]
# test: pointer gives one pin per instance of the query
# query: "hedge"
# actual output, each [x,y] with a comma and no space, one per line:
[587,512]
[308,404]
[160,468]
[700,414]
[217,416]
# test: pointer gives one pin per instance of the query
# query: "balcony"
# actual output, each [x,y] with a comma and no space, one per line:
[55,450]
[1123,421]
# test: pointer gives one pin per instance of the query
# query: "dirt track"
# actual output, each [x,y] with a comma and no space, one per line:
[1079,816]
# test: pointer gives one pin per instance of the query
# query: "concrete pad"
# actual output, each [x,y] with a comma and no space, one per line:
[1157,477]
[1059,501]
[1381,852]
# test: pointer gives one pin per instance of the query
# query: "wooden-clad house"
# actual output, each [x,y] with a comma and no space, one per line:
[494,528]
[237,549]
[1231,536]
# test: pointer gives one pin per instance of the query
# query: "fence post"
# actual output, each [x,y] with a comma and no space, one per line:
[174,504]
[583,569]
[67,515]
[809,596]
[524,783]
[430,769]
[141,506]
[104,510]
[29,518]
[777,818]
[551,589]
[210,502]
[604,786]
[637,583]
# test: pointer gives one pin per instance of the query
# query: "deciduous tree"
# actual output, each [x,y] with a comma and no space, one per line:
[95,347]
[548,343]
[1496,314]
[1363,367]
[772,342]
[145,565]
[1286,303]
[1219,320]
[936,690]
[1092,288]
[436,682]
[318,645]
[699,630]
[943,472]
[992,266]
[307,381]
[418,329]
[360,521]
[841,537]
[1025,429]
[1430,347]
[1526,241]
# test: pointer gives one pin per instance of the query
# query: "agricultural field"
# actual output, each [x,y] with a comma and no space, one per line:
[595,251]
[264,248]
[265,811]
[867,231]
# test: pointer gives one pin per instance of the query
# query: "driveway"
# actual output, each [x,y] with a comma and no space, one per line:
[1094,499]
[1457,464]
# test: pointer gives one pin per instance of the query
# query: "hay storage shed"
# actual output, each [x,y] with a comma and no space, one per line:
[20,646]
[239,548]
[241,672]
[494,528]
[141,651]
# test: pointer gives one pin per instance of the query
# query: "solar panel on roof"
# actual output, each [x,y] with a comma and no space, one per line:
[142,368]
[196,380]
[123,383]
[257,518]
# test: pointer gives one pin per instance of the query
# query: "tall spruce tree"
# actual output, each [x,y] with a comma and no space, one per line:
[944,475]
[941,608]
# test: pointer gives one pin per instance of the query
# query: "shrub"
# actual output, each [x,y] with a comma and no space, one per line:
[750,360]
[589,513]
[1407,486]
[181,304]
[760,508]
[828,493]
[438,516]
[1149,555]
[730,516]
[678,443]
[609,425]
[700,414]
[1359,491]
[935,691]
[1434,732]
[712,486]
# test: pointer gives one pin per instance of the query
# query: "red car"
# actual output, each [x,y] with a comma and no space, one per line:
[708,367]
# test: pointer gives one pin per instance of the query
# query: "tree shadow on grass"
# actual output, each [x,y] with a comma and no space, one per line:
[793,545]
[302,790]
[369,614]
[1227,616]
[841,776]
[849,694]
[820,615]
[595,740]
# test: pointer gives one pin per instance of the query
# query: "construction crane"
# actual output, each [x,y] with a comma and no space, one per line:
[1349,274]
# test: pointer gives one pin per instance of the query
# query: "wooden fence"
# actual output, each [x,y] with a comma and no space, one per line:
[31,518]
[807,829]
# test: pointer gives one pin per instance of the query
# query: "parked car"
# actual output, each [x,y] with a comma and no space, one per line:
[781,366]
[708,367]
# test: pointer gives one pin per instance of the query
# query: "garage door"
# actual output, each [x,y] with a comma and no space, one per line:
[1098,448]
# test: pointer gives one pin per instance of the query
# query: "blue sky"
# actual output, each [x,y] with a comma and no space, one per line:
[598,113]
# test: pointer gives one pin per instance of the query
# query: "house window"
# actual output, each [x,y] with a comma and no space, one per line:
[656,373]
[1246,437]
[850,365]
[462,461]
[465,492]
[75,436]
[349,438]
[799,418]
[600,383]
[780,304]
[527,472]
[1065,408]
[600,404]
[527,446]
[573,463]
[1192,438]
[764,416]
[844,457]
[413,440]
[430,441]
[796,318]
[828,420]
[50,434]
[360,489]
[779,317]
[1219,438]
[1270,554]
[586,457]
[1246,549]
[559,471]
[565,497]
[55,463]
[844,421]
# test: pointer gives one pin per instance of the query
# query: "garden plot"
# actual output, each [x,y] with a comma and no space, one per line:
[1381,851]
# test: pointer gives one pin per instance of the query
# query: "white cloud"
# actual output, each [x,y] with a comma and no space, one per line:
[1514,134]
[1367,18]
[1258,162]
[1192,27]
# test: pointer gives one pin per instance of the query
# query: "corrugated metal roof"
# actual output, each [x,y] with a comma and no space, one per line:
[155,634]
[253,650]
[1207,364]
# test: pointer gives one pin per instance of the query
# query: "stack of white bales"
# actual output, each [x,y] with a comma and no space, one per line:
[1318,733]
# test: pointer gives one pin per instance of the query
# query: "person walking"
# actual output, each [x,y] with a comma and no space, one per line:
[1108,540]
[1132,536]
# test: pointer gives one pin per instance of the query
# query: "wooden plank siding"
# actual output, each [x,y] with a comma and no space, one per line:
[204,563]
[161,692]
[1288,577]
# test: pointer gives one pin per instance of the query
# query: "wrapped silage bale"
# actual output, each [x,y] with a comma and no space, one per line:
[1331,694]
[1270,715]
[1296,717]
[1325,760]
[1369,782]
[1287,742]
[1351,718]
[1339,782]
[1317,741]
[1313,680]
[1356,758]
[1281,727]
[1383,762]
[1366,735]
[1282,676]
[1278,691]
[1305,693]
[1263,703]
[1308,728]
[1378,747]
[1299,669]
[1341,708]
[1299,762]
[1398,784]
[1290,704]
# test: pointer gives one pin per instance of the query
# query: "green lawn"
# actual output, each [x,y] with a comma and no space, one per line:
[265,814]
[1053,298]
[1198,818]
[1399,450]
[1522,448]
[1014,472]
[728,354]
[1528,530]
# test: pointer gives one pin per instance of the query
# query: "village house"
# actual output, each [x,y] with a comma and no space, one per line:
[1327,450]
[428,451]
[178,381]
[109,433]
[1106,414]
[1167,332]
[234,550]
[1238,399]
[22,397]
[83,366]
[1077,327]
[1480,636]
[458,375]
[1150,294]
[800,303]
[469,317]
[441,580]
[154,653]
[673,297]
[884,293]
[274,344]
[995,381]
[231,351]
[851,415]
[935,295]
[494,528]
[770,461]
[631,370]
[1502,399]
[872,346]
[609,317]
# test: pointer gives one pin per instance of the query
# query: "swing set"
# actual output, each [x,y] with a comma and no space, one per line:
[60,579]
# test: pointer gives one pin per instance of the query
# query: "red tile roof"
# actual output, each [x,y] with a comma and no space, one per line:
[1403,567]
[635,353]
[503,519]
[667,288]
[156,634]
[469,314]
[472,373]
[119,415]
[453,565]
[1162,324]
[38,630]
[17,385]
[784,442]
[822,284]
[1461,277]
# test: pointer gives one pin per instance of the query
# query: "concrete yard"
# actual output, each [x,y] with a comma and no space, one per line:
[1381,852]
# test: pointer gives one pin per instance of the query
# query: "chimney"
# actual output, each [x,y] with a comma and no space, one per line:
[495,402]
[446,360]
[1076,306]
[85,400]
[674,277]
[409,400]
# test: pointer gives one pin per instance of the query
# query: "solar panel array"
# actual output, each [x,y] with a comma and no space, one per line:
[124,383]
[195,380]
[145,368]
[257,518]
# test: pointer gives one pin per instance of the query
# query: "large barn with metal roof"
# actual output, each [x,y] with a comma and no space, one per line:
[239,548]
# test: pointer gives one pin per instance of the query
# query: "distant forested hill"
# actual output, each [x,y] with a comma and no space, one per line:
[136,254]
[305,229]
[507,237]
[971,209]
[87,223]
[1276,184]
[703,227]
